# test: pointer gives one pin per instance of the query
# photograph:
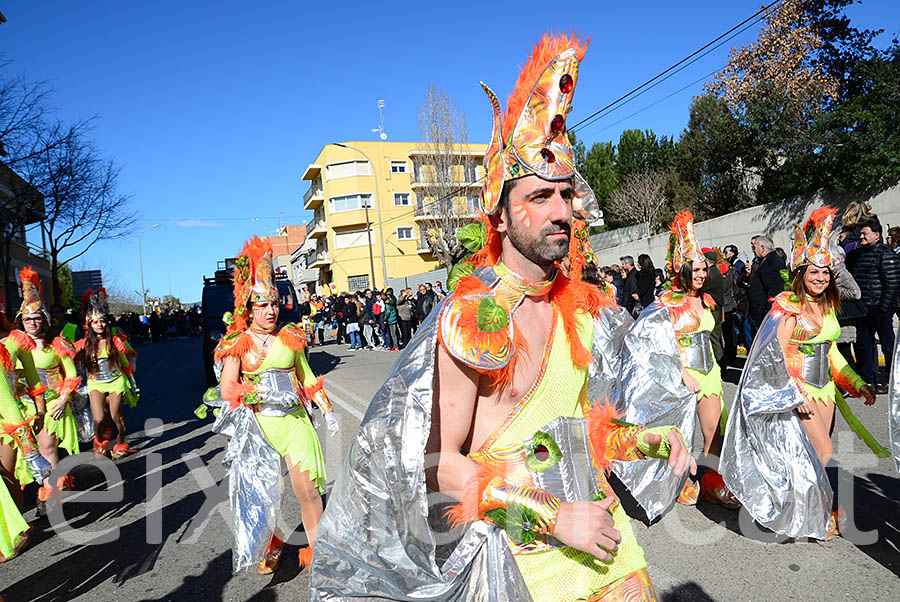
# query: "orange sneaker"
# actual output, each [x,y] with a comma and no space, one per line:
[715,491]
[101,447]
[120,450]
[273,556]
[689,493]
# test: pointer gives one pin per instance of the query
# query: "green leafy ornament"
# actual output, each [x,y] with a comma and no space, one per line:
[491,317]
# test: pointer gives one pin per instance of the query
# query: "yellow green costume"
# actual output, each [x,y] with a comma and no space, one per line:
[56,365]
[121,369]
[292,434]
[19,346]
[13,528]
[560,389]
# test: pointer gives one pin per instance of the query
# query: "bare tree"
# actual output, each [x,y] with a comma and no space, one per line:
[80,188]
[640,198]
[445,171]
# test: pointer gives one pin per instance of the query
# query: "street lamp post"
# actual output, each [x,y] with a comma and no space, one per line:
[141,267]
[378,211]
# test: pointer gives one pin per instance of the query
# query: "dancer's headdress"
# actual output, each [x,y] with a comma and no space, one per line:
[683,246]
[94,305]
[254,278]
[531,138]
[32,294]
[811,241]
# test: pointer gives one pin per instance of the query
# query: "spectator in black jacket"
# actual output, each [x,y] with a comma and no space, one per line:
[425,302]
[646,281]
[629,285]
[765,280]
[715,288]
[875,268]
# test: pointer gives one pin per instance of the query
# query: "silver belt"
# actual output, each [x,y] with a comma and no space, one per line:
[816,368]
[276,392]
[697,351]
[44,375]
[103,373]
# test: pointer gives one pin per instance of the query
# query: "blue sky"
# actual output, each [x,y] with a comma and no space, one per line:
[213,109]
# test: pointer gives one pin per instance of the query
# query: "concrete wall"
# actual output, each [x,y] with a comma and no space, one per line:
[774,219]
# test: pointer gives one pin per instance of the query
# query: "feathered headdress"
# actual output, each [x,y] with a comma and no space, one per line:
[254,278]
[531,138]
[94,305]
[811,241]
[683,246]
[32,294]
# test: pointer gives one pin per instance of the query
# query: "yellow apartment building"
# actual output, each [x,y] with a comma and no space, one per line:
[389,187]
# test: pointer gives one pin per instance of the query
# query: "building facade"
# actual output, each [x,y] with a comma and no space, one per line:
[374,208]
[86,280]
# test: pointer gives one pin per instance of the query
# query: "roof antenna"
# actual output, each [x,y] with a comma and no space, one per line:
[380,129]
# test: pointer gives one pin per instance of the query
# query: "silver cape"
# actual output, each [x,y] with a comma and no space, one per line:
[650,392]
[382,535]
[894,410]
[255,484]
[768,461]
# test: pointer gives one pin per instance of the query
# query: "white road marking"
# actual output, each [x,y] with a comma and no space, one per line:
[349,401]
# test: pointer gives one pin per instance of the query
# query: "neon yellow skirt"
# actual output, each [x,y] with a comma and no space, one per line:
[120,385]
[294,435]
[64,428]
[13,528]
[710,383]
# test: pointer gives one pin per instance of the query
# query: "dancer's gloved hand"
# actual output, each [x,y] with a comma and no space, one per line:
[331,422]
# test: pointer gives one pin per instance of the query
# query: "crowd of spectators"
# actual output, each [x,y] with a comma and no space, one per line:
[866,270]
[369,320]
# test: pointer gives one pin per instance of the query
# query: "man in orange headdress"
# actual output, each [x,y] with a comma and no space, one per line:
[505,389]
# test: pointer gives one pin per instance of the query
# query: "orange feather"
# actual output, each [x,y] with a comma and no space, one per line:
[544,51]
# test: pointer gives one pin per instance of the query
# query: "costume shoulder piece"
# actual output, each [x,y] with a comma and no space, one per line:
[235,343]
[293,337]
[476,324]
[673,299]
[64,347]
[787,302]
[5,360]
[22,340]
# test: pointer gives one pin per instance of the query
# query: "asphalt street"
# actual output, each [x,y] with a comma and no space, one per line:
[173,541]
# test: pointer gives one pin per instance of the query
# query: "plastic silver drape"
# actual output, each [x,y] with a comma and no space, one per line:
[650,392]
[81,411]
[381,536]
[768,461]
[255,484]
[894,409]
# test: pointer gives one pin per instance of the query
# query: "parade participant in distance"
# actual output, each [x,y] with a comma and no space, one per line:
[56,369]
[492,403]
[268,389]
[778,439]
[669,373]
[107,358]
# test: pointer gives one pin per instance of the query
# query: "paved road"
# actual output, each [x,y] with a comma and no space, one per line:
[695,554]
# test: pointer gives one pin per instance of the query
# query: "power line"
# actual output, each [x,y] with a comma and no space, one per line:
[676,65]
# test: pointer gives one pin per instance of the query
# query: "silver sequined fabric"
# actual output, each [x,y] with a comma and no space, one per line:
[894,398]
[650,392]
[768,461]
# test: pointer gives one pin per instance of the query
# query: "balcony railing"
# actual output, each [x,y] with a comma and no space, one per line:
[462,208]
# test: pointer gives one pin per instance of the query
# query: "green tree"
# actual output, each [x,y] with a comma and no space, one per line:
[641,151]
[68,299]
[712,175]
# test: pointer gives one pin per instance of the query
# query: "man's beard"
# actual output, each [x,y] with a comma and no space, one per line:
[539,249]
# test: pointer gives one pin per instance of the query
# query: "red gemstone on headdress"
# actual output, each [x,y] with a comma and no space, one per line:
[566,84]
[557,124]
[548,155]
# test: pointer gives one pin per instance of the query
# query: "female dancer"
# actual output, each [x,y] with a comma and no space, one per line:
[110,373]
[265,368]
[778,441]
[674,377]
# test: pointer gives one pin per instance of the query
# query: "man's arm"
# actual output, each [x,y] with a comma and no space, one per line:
[587,526]
[890,280]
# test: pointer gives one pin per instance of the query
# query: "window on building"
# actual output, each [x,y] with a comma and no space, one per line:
[350,202]
[469,172]
[347,169]
[351,238]
[398,166]
[405,233]
[401,199]
[358,283]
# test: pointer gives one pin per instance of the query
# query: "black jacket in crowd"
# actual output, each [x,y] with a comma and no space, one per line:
[424,304]
[646,282]
[629,287]
[876,270]
[765,284]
